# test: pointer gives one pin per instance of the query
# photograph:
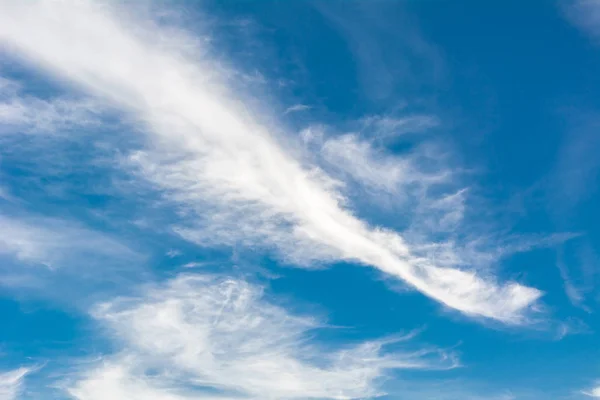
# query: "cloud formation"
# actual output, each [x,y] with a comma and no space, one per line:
[297,108]
[212,155]
[203,335]
[390,52]
[58,260]
[585,14]
[370,166]
[387,126]
[26,113]
[55,243]
[11,383]
[593,392]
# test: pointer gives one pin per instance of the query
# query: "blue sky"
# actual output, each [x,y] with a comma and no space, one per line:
[299,200]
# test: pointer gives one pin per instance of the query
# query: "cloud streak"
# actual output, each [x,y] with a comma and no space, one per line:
[62,261]
[297,108]
[372,168]
[586,15]
[390,51]
[31,114]
[210,154]
[11,383]
[593,392]
[388,126]
[213,334]
[55,242]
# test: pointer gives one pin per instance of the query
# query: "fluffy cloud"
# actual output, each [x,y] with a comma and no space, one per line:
[235,180]
[202,335]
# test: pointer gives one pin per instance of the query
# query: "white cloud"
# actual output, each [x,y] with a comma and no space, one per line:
[173,253]
[362,162]
[33,114]
[116,381]
[570,187]
[593,392]
[388,126]
[573,292]
[453,389]
[297,108]
[59,260]
[577,263]
[56,243]
[11,383]
[373,167]
[203,336]
[209,152]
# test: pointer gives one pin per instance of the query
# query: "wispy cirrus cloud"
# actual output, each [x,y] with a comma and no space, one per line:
[585,14]
[208,336]
[385,66]
[448,389]
[30,114]
[11,383]
[59,260]
[361,161]
[55,242]
[386,126]
[5,194]
[210,154]
[577,263]
[373,168]
[297,108]
[574,179]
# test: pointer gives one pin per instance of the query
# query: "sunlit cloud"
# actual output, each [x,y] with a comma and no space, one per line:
[11,383]
[203,335]
[593,392]
[233,176]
